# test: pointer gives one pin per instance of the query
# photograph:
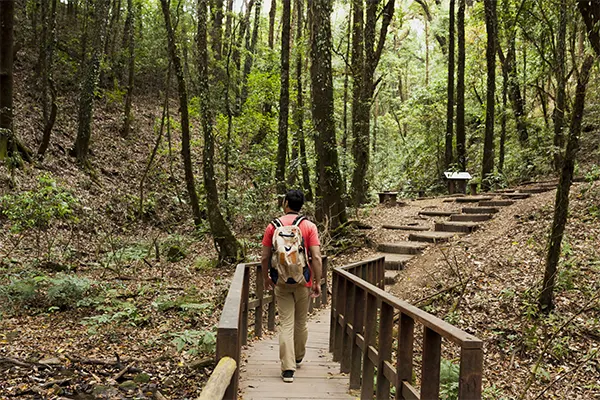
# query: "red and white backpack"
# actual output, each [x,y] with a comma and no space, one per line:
[289,253]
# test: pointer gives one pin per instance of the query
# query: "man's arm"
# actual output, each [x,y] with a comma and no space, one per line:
[317,268]
[264,261]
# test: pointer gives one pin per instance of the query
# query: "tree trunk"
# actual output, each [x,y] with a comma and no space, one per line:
[299,114]
[228,247]
[284,99]
[330,202]
[560,103]
[561,205]
[228,27]
[130,33]
[448,157]
[514,91]
[185,118]
[7,10]
[590,11]
[216,9]
[347,72]
[250,49]
[272,14]
[491,23]
[361,106]
[503,121]
[89,83]
[460,91]
[48,55]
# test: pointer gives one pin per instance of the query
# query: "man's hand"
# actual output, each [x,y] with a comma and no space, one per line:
[316,290]
[269,285]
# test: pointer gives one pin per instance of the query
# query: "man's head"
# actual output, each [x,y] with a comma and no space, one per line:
[294,200]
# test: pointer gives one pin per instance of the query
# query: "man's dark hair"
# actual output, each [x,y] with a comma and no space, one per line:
[295,199]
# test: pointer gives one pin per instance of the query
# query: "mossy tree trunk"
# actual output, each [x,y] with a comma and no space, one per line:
[561,204]
[284,99]
[448,154]
[89,85]
[330,201]
[461,151]
[228,247]
[491,23]
[185,118]
[130,38]
[561,83]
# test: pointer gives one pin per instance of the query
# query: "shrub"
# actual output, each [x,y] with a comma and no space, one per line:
[65,291]
[38,208]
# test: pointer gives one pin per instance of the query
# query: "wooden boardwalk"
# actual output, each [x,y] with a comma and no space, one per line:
[317,378]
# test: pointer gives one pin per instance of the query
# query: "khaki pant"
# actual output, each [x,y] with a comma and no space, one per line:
[292,305]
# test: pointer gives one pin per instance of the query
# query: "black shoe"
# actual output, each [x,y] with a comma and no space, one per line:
[298,362]
[288,376]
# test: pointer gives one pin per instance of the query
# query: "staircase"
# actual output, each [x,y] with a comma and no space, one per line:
[448,225]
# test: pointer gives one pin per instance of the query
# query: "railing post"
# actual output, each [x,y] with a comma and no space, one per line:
[228,345]
[358,324]
[244,316]
[471,365]
[339,328]
[323,299]
[347,337]
[258,312]
[333,320]
[404,364]
[386,324]
[368,365]
[430,375]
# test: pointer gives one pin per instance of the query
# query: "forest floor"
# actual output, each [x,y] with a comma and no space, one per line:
[487,284]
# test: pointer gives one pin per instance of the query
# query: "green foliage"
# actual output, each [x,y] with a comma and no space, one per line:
[449,377]
[41,292]
[195,342]
[115,311]
[40,207]
[204,264]
[174,248]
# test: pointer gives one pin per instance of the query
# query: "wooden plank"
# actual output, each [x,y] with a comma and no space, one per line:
[368,365]
[386,323]
[244,316]
[471,365]
[430,373]
[404,363]
[346,361]
[258,311]
[358,329]
[340,328]
[408,392]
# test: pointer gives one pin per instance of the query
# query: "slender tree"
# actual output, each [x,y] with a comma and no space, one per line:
[330,201]
[299,111]
[272,14]
[216,8]
[461,151]
[228,247]
[503,117]
[491,22]
[130,40]
[284,99]
[561,204]
[89,83]
[250,50]
[47,63]
[183,110]
[448,157]
[363,89]
[561,83]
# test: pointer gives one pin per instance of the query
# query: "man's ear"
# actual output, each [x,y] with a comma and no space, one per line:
[284,204]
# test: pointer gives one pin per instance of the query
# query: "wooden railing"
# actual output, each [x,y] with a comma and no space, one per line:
[363,319]
[247,297]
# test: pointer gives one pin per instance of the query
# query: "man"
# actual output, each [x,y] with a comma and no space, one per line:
[292,298]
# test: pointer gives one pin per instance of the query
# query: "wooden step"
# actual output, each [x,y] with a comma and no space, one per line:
[505,190]
[516,196]
[464,227]
[432,237]
[403,247]
[436,213]
[406,227]
[470,217]
[536,190]
[496,203]
[391,277]
[480,210]
[395,261]
[473,199]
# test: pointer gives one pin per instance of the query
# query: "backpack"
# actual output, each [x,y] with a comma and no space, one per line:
[289,258]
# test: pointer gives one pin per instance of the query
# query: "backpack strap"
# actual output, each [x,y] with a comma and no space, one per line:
[298,220]
[276,223]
